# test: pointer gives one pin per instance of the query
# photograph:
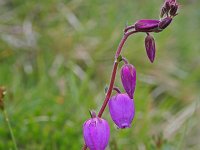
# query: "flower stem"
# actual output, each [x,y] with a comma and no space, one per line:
[117,89]
[10,128]
[114,70]
[125,60]
[112,80]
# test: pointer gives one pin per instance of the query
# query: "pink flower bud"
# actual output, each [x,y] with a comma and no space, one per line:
[146,25]
[150,47]
[128,78]
[96,133]
[122,110]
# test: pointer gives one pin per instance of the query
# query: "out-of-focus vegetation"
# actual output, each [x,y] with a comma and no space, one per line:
[56,58]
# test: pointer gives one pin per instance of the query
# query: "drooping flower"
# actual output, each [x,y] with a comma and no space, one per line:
[96,133]
[122,110]
[150,47]
[128,78]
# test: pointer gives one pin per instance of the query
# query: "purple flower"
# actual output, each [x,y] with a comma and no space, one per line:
[122,110]
[96,133]
[150,47]
[128,78]
[146,25]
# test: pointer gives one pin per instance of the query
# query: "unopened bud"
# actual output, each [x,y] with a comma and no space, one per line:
[150,47]
[128,78]
[173,10]
[163,12]
[146,25]
[164,23]
[167,5]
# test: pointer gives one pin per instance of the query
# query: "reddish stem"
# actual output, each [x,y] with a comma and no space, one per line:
[112,80]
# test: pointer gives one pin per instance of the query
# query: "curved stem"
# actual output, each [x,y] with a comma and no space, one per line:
[117,89]
[129,28]
[125,60]
[114,70]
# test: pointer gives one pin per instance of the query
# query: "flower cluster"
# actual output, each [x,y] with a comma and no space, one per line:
[96,130]
[122,110]
[168,11]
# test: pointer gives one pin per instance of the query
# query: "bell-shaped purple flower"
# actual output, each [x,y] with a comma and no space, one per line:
[147,25]
[128,78]
[150,47]
[122,110]
[96,133]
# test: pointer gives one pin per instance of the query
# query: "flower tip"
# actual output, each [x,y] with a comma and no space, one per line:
[125,125]
[151,60]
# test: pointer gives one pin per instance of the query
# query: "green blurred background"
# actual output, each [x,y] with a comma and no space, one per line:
[56,58]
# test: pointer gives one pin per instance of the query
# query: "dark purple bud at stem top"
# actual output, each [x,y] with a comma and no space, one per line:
[150,47]
[122,110]
[173,10]
[167,6]
[96,133]
[170,7]
[163,12]
[128,78]
[146,25]
[164,23]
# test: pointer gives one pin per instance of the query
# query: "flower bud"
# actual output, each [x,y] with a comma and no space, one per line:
[96,133]
[170,7]
[167,5]
[128,78]
[173,10]
[150,47]
[163,12]
[164,23]
[146,25]
[122,110]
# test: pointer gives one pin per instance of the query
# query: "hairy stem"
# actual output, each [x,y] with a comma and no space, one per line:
[10,128]
[114,70]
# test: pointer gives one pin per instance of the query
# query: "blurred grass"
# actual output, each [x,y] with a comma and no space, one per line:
[56,58]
